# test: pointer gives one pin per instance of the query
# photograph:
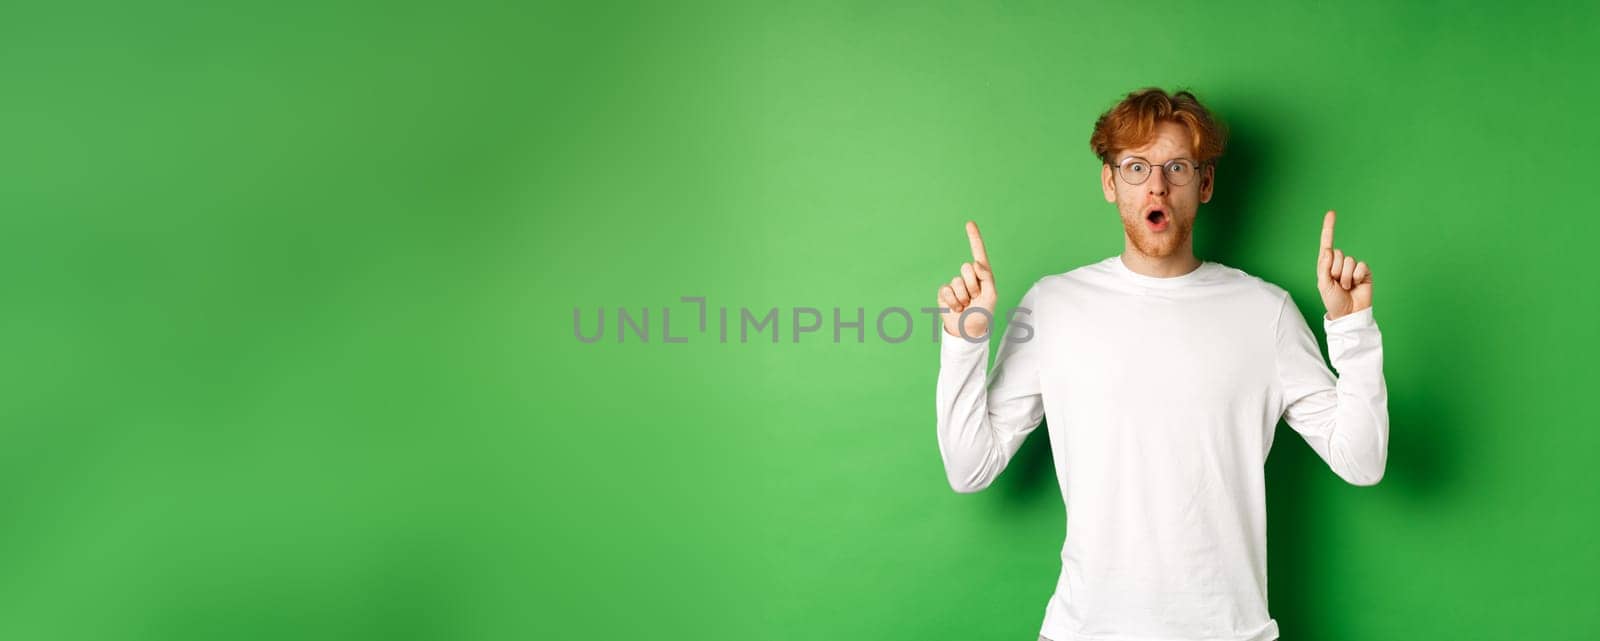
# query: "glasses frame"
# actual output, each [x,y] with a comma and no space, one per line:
[1166,171]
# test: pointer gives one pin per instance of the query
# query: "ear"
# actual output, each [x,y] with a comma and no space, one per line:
[1207,181]
[1107,184]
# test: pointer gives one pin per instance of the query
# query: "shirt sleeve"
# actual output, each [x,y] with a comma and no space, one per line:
[1345,420]
[983,419]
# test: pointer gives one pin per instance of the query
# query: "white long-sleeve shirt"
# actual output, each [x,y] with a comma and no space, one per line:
[1162,396]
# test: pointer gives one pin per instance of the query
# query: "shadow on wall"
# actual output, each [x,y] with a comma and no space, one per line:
[1299,531]
[1030,476]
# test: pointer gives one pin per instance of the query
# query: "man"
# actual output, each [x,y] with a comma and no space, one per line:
[1163,377]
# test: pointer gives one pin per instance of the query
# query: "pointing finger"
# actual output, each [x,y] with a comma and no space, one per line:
[978,253]
[1326,260]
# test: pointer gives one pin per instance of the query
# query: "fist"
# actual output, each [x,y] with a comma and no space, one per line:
[973,288]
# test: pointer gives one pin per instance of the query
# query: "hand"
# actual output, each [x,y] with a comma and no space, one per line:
[1345,283]
[973,288]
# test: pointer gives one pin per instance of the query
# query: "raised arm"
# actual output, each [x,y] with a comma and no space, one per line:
[982,418]
[1344,419]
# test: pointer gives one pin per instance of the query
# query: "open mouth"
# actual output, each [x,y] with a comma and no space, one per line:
[1157,219]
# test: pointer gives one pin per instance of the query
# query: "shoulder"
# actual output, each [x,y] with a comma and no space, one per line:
[1270,301]
[1248,284]
[1095,274]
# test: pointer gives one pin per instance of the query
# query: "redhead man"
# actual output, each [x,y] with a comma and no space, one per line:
[1163,377]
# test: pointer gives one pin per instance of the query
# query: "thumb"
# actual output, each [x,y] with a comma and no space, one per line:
[985,275]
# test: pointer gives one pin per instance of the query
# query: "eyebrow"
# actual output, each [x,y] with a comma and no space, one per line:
[1124,158]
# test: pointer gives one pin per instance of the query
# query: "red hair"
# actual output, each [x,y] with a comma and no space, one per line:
[1132,123]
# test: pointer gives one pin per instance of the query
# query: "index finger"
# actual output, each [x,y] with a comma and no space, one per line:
[1327,230]
[978,252]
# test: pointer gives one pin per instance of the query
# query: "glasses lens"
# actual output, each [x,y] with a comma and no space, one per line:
[1135,171]
[1179,172]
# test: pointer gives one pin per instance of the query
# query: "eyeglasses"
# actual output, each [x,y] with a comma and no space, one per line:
[1136,170]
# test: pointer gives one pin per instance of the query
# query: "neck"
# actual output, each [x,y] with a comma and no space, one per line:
[1177,263]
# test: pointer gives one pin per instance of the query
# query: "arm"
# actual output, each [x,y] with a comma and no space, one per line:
[983,419]
[1345,420]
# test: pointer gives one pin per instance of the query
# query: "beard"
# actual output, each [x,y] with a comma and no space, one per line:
[1157,245]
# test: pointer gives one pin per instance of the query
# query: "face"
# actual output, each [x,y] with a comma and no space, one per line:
[1157,216]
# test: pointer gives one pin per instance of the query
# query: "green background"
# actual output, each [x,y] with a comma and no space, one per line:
[289,291]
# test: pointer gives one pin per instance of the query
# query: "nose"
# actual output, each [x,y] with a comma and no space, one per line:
[1157,183]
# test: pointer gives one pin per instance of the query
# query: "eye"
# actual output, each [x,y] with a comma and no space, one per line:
[1178,167]
[1138,167]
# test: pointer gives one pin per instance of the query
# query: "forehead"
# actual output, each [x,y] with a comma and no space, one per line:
[1171,141]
